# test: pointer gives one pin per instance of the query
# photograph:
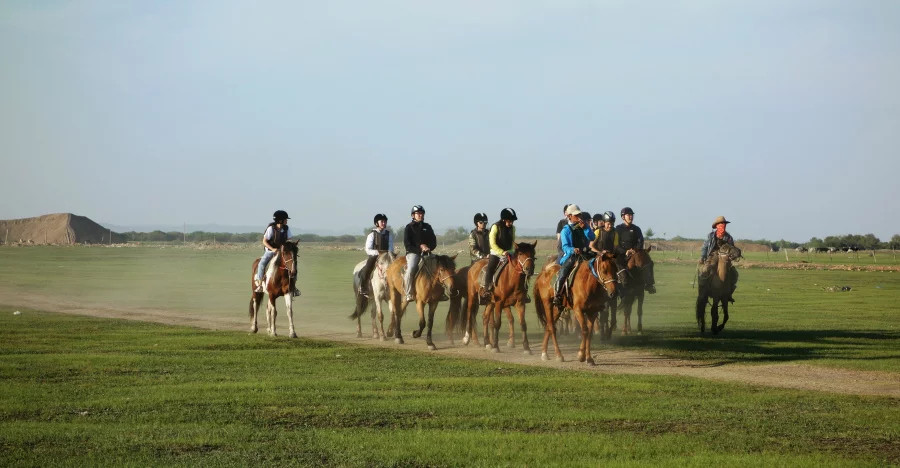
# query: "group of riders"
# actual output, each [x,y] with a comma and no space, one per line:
[579,236]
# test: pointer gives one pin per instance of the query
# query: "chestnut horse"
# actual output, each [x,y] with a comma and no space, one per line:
[511,289]
[589,296]
[717,288]
[640,273]
[377,291]
[282,283]
[434,278]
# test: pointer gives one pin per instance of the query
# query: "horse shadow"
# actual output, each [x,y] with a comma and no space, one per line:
[774,346]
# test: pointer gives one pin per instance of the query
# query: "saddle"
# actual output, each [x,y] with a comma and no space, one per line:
[500,266]
[567,287]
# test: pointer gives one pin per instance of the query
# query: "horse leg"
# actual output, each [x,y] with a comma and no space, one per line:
[587,333]
[520,308]
[378,321]
[255,302]
[714,311]
[552,324]
[487,324]
[496,323]
[289,305]
[511,342]
[270,316]
[601,325]
[725,314]
[397,309]
[640,312]
[626,315]
[582,326]
[613,305]
[431,307]
[701,312]
[420,308]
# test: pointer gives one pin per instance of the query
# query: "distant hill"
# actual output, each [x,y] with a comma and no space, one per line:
[58,228]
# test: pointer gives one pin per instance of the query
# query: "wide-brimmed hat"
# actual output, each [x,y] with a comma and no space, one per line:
[573,210]
[720,219]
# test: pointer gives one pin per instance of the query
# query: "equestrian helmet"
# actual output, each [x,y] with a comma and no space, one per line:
[585,216]
[416,209]
[627,210]
[508,213]
[378,217]
[609,216]
[280,214]
[480,217]
[597,218]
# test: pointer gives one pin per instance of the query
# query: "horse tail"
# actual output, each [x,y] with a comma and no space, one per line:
[700,309]
[539,307]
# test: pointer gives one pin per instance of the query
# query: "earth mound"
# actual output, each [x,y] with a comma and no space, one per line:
[56,229]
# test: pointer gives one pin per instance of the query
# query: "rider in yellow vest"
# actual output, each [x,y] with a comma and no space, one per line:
[503,242]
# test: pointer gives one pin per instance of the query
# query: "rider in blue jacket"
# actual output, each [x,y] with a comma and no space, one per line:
[574,239]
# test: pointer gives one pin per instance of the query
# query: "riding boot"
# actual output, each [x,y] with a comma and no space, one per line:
[489,269]
[558,288]
[259,285]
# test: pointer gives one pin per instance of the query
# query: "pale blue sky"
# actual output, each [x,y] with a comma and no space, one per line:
[784,116]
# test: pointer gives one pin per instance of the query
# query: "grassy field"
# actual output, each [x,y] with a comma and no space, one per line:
[86,391]
[782,315]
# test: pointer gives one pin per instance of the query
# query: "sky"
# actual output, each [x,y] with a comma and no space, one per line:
[782,116]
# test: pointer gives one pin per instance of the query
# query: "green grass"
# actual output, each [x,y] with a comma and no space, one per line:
[780,316]
[85,391]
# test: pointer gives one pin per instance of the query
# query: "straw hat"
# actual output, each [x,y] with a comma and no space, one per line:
[720,219]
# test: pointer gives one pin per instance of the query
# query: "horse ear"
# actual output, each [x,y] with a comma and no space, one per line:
[453,257]
[649,247]
[534,245]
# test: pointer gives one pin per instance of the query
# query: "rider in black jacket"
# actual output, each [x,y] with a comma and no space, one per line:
[419,239]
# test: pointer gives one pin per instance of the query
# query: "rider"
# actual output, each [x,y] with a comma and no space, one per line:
[630,239]
[380,240]
[716,238]
[606,237]
[574,238]
[559,227]
[503,243]
[479,245]
[419,240]
[276,234]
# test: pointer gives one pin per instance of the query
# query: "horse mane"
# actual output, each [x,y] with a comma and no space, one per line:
[431,263]
[526,248]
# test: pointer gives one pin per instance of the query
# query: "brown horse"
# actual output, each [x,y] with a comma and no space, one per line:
[434,278]
[588,297]
[717,287]
[640,272]
[511,289]
[282,283]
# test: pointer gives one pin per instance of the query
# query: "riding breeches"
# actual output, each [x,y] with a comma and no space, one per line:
[564,271]
[366,271]
[489,270]
[412,267]
[263,263]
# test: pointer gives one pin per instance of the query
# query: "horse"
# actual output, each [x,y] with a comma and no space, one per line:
[282,283]
[458,304]
[589,295]
[434,278]
[717,287]
[511,289]
[377,291]
[640,271]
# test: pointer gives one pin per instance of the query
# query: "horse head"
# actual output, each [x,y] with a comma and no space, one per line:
[525,254]
[640,258]
[289,251]
[606,270]
[444,269]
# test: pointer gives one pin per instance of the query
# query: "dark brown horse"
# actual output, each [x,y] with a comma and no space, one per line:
[640,272]
[589,295]
[456,315]
[283,282]
[511,289]
[433,280]
[717,286]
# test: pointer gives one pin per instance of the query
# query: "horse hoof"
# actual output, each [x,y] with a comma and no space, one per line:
[544,357]
[432,347]
[252,330]
[293,335]
[358,335]
[487,346]
[417,333]
[528,352]
[580,357]
[560,358]
[398,340]
[495,350]
[591,362]
[466,340]
[383,338]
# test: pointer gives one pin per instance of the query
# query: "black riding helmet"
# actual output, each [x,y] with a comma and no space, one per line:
[597,218]
[508,213]
[585,216]
[479,217]
[280,214]
[378,217]
[416,208]
[627,210]
[609,216]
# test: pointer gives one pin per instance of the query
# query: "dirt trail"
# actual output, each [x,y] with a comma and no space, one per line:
[609,361]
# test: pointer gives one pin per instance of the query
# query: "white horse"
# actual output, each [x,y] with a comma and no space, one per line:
[378,292]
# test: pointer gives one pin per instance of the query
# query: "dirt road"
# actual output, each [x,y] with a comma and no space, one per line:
[609,361]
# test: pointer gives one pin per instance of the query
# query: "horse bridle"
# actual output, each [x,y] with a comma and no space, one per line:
[599,279]
[284,263]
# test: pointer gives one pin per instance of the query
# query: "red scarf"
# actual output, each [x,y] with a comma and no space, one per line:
[720,230]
